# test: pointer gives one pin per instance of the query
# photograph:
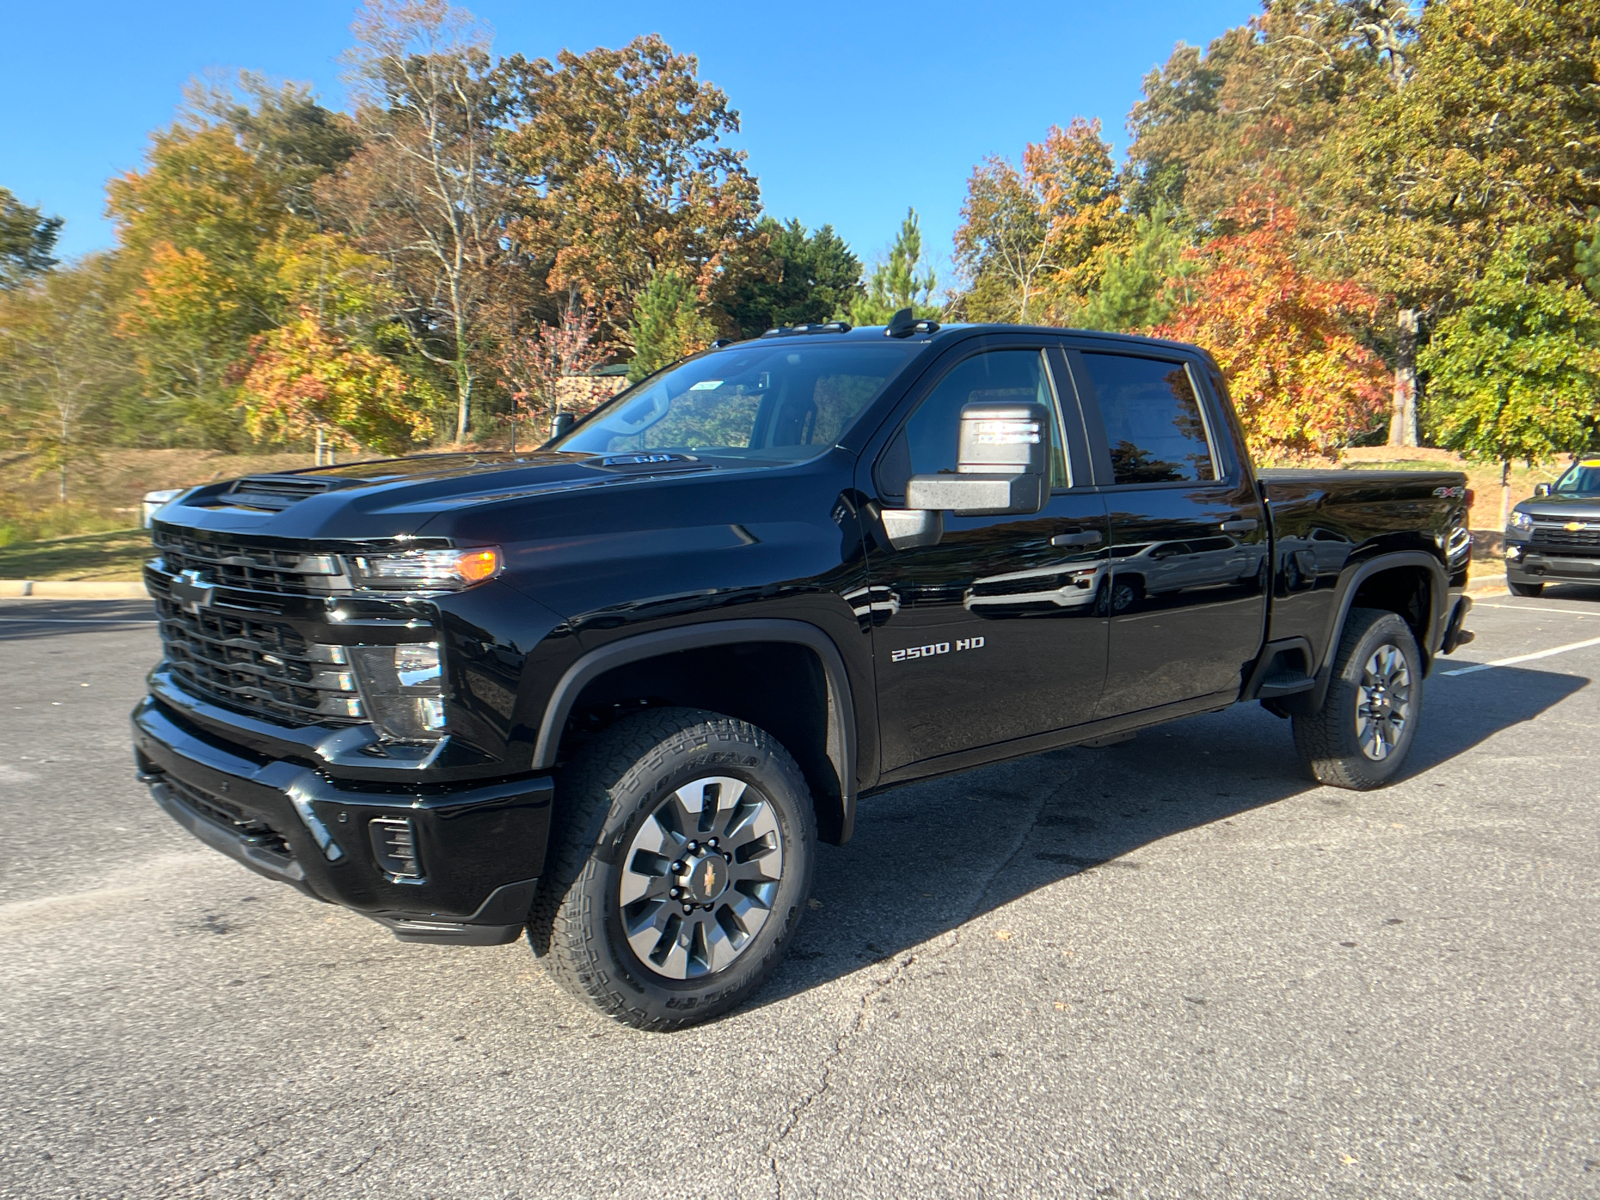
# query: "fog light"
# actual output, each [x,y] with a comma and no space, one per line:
[401,686]
[394,846]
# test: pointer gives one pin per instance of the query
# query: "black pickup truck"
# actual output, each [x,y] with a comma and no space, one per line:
[614,691]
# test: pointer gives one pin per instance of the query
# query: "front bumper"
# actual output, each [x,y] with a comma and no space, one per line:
[478,849]
[1533,565]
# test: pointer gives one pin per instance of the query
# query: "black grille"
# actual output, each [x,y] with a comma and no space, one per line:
[260,667]
[230,816]
[1570,540]
[274,492]
[231,564]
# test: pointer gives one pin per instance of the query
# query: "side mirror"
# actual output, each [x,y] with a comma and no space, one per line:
[1001,459]
[1540,490]
[561,424]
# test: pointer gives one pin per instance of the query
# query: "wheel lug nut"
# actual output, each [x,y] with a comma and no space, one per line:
[712,843]
[677,868]
[688,908]
[676,892]
[694,847]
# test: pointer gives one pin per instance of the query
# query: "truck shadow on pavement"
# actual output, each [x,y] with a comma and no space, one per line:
[927,858]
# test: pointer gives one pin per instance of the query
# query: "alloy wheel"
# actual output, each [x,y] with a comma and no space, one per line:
[700,876]
[1383,702]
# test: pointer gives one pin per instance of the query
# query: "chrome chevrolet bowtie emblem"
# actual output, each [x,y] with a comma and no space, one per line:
[190,591]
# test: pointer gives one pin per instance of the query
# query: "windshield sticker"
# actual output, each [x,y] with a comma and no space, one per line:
[707,385]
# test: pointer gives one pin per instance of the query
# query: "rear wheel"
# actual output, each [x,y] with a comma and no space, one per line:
[1360,737]
[1525,589]
[681,867]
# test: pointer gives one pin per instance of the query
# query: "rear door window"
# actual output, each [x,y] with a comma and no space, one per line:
[1155,428]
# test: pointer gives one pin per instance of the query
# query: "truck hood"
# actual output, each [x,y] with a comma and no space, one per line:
[398,498]
[1558,510]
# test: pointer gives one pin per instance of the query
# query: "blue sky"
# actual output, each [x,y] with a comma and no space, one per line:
[849,113]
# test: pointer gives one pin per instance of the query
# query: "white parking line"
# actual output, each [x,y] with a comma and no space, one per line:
[1571,612]
[1522,658]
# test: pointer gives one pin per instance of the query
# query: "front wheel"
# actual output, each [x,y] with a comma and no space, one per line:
[680,867]
[1360,737]
[1525,589]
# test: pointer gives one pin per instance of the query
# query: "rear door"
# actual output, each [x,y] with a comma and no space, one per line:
[1185,618]
[998,632]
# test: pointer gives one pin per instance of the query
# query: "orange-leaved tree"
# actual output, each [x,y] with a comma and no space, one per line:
[534,364]
[1301,381]
[305,377]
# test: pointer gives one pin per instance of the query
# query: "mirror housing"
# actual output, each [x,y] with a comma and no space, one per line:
[1002,456]
[561,424]
[1541,490]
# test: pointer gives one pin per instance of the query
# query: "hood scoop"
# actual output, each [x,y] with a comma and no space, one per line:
[273,493]
[650,461]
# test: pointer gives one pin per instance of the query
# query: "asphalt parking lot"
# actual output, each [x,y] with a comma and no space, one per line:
[1170,968]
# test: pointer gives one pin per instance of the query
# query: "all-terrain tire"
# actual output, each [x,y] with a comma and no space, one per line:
[603,799]
[1526,589]
[1329,742]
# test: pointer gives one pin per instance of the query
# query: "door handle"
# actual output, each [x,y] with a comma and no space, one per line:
[1243,525]
[1089,537]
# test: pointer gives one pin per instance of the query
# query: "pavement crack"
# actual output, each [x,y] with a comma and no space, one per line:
[829,1062]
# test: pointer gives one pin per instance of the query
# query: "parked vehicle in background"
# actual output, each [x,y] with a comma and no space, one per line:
[613,692]
[1555,537]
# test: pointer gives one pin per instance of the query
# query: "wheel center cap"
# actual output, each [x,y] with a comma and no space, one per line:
[706,879]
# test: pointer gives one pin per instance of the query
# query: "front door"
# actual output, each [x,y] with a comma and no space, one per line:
[1188,548]
[997,632]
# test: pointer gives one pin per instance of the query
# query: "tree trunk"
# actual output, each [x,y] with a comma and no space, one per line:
[63,483]
[1505,494]
[463,405]
[1403,416]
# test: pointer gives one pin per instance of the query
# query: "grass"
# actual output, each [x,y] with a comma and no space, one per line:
[105,557]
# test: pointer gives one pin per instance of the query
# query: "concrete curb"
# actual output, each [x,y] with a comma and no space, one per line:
[72,589]
[1488,585]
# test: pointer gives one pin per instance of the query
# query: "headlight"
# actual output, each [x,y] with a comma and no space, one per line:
[1521,520]
[401,687]
[425,570]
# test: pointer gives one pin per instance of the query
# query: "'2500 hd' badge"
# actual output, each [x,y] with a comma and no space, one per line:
[934,648]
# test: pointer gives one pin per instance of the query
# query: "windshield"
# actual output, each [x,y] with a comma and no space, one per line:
[776,403]
[1583,479]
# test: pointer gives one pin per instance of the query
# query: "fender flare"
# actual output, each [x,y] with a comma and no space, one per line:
[841,717]
[1440,600]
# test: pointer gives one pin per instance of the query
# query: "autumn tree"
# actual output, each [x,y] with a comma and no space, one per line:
[1496,126]
[1033,242]
[796,277]
[306,378]
[62,371]
[27,240]
[426,192]
[1301,381]
[191,229]
[535,363]
[899,280]
[622,174]
[1514,371]
[283,128]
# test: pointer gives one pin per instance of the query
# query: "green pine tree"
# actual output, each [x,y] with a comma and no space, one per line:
[900,281]
[667,324]
[1136,291]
